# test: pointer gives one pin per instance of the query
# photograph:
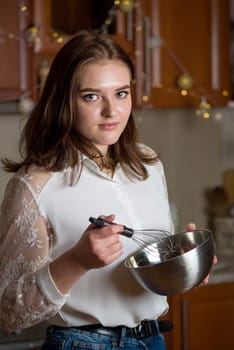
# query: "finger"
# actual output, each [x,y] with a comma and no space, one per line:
[109,218]
[191,226]
[113,228]
[215,260]
[114,248]
[110,252]
[114,256]
[206,280]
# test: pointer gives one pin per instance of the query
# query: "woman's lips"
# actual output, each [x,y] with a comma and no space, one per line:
[108,126]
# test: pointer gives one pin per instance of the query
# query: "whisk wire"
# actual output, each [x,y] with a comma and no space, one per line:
[139,236]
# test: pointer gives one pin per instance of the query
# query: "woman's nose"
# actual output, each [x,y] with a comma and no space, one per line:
[108,108]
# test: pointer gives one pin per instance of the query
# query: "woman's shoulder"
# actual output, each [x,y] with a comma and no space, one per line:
[150,152]
[147,149]
[24,187]
[33,177]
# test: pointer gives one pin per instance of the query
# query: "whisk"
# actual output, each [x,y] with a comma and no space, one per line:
[139,236]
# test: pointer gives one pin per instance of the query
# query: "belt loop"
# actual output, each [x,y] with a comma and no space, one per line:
[157,326]
[122,337]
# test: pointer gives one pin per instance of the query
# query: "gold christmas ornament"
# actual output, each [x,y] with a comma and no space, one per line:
[204,108]
[126,5]
[184,81]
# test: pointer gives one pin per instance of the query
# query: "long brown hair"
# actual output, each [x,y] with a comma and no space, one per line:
[49,138]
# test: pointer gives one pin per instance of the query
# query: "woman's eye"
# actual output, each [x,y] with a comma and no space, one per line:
[122,94]
[90,97]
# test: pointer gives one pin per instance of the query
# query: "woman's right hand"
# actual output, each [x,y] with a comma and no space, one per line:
[99,246]
[96,248]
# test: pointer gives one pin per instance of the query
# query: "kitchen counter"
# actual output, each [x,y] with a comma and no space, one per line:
[30,338]
[22,345]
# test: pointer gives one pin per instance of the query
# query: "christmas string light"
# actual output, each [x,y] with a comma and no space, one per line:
[185,77]
[184,82]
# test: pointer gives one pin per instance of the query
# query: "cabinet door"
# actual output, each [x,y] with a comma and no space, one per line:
[15,50]
[208,318]
[186,37]
[54,30]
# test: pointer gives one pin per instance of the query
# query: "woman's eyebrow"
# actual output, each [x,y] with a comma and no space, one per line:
[87,89]
[124,87]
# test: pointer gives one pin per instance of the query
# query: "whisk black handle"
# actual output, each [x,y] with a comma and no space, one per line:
[128,232]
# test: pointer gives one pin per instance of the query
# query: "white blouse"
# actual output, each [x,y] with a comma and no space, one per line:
[42,217]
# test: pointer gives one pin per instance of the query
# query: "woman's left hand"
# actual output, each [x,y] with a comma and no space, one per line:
[191,227]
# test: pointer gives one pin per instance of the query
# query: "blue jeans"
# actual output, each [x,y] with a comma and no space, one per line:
[75,339]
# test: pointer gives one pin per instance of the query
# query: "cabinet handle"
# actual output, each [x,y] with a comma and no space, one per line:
[129,26]
[147,48]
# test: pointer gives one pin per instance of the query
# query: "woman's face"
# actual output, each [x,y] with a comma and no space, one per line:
[104,102]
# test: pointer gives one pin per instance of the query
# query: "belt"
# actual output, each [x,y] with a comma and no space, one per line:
[143,330]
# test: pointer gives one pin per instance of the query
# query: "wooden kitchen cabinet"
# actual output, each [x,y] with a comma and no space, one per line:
[203,319]
[29,39]
[55,31]
[15,51]
[184,37]
[90,15]
[164,38]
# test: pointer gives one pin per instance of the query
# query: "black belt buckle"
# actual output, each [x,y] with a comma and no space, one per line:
[145,329]
[137,331]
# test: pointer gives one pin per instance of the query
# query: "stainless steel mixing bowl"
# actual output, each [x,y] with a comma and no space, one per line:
[174,264]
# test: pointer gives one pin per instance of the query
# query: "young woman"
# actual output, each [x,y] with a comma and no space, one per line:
[80,158]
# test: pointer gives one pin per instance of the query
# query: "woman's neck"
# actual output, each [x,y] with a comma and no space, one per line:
[105,164]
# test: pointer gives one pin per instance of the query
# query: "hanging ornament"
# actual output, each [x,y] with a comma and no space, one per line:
[126,5]
[204,108]
[184,81]
[225,93]
[25,105]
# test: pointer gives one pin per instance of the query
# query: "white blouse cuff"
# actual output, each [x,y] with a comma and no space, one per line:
[49,288]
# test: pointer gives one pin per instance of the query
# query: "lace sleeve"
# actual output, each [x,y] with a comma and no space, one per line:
[25,239]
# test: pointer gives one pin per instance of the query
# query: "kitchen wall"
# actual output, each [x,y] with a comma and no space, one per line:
[193,150]
[10,125]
